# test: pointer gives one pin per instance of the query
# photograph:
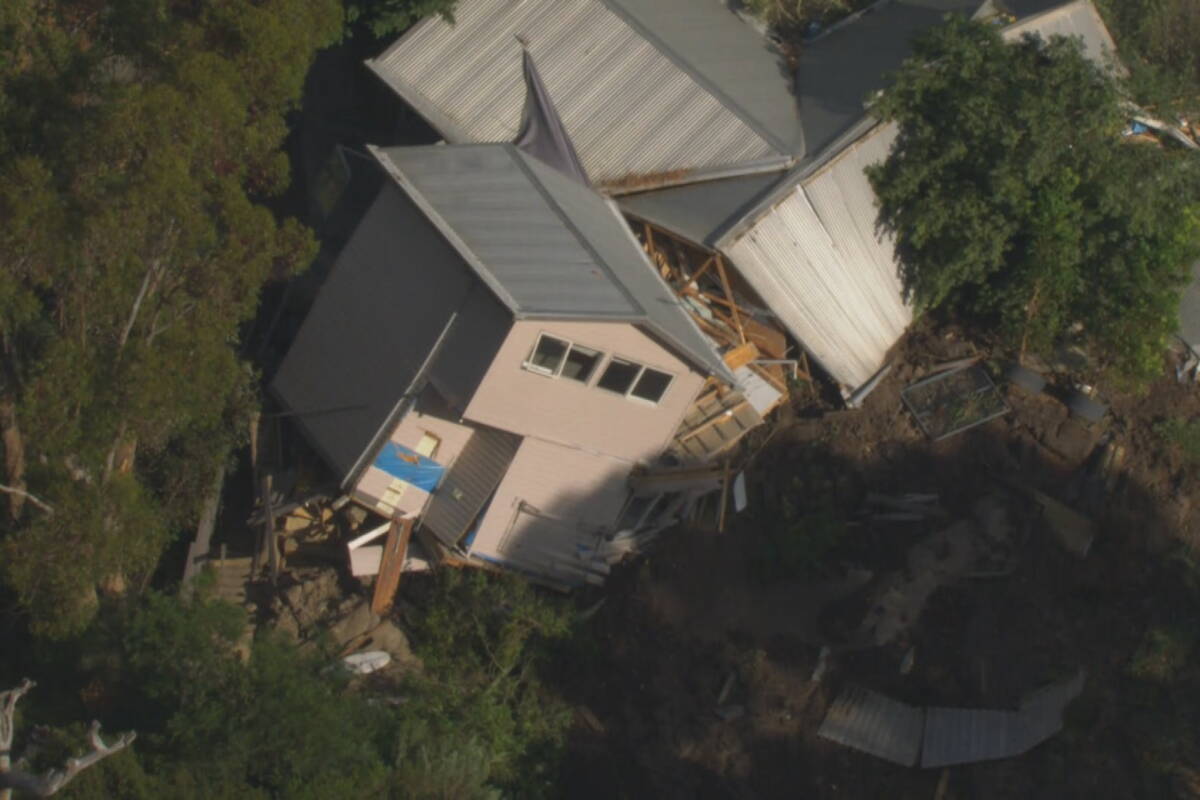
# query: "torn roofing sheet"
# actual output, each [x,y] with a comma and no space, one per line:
[897,732]
[542,134]
[652,94]
[875,724]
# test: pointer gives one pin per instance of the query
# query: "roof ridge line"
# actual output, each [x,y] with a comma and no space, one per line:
[518,158]
[444,228]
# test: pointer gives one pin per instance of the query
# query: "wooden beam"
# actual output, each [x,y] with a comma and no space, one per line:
[704,267]
[391,564]
[724,499]
[729,293]
[270,540]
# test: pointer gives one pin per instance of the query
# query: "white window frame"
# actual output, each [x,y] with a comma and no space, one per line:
[628,393]
[601,359]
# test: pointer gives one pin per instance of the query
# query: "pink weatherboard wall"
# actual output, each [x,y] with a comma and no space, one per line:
[573,414]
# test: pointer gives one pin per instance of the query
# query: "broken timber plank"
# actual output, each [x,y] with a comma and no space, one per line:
[729,293]
[391,565]
[715,419]
[741,355]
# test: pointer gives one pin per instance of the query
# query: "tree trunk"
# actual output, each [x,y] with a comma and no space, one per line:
[14,456]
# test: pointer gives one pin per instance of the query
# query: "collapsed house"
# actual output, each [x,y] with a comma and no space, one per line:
[494,353]
[496,356]
[696,123]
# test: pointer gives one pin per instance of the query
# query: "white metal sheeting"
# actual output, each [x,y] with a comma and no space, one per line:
[631,111]
[817,260]
[900,733]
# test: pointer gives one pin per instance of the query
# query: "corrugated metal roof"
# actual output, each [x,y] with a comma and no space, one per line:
[810,247]
[966,735]
[548,246]
[730,58]
[469,483]
[1078,19]
[875,724]
[895,731]
[638,113]
[818,261]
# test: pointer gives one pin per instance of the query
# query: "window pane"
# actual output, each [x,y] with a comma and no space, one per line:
[652,385]
[618,376]
[580,364]
[548,353]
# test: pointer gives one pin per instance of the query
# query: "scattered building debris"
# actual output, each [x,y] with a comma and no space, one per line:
[954,401]
[908,507]
[951,553]
[1085,406]
[938,737]
[1025,378]
[366,663]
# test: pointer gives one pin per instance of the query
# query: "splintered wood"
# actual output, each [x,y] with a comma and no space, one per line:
[755,351]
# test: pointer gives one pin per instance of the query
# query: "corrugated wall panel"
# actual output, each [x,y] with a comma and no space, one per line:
[471,479]
[628,108]
[818,262]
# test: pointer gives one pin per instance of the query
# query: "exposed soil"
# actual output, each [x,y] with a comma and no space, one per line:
[706,605]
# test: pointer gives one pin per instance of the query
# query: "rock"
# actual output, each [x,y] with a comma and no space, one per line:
[286,624]
[357,622]
[393,641]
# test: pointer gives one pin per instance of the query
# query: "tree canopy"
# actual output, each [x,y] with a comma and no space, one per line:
[385,17]
[1016,202]
[221,716]
[139,140]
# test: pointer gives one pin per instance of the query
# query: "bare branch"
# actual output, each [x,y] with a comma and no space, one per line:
[54,780]
[44,506]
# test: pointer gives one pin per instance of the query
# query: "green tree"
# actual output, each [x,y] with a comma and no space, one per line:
[138,140]
[1016,203]
[387,17]
[479,709]
[1157,40]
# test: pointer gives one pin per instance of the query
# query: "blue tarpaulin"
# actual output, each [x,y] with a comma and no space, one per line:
[410,466]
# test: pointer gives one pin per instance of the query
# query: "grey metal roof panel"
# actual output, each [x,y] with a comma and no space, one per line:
[875,724]
[966,735]
[700,211]
[331,380]
[733,60]
[532,254]
[600,221]
[547,245]
[636,115]
[838,71]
